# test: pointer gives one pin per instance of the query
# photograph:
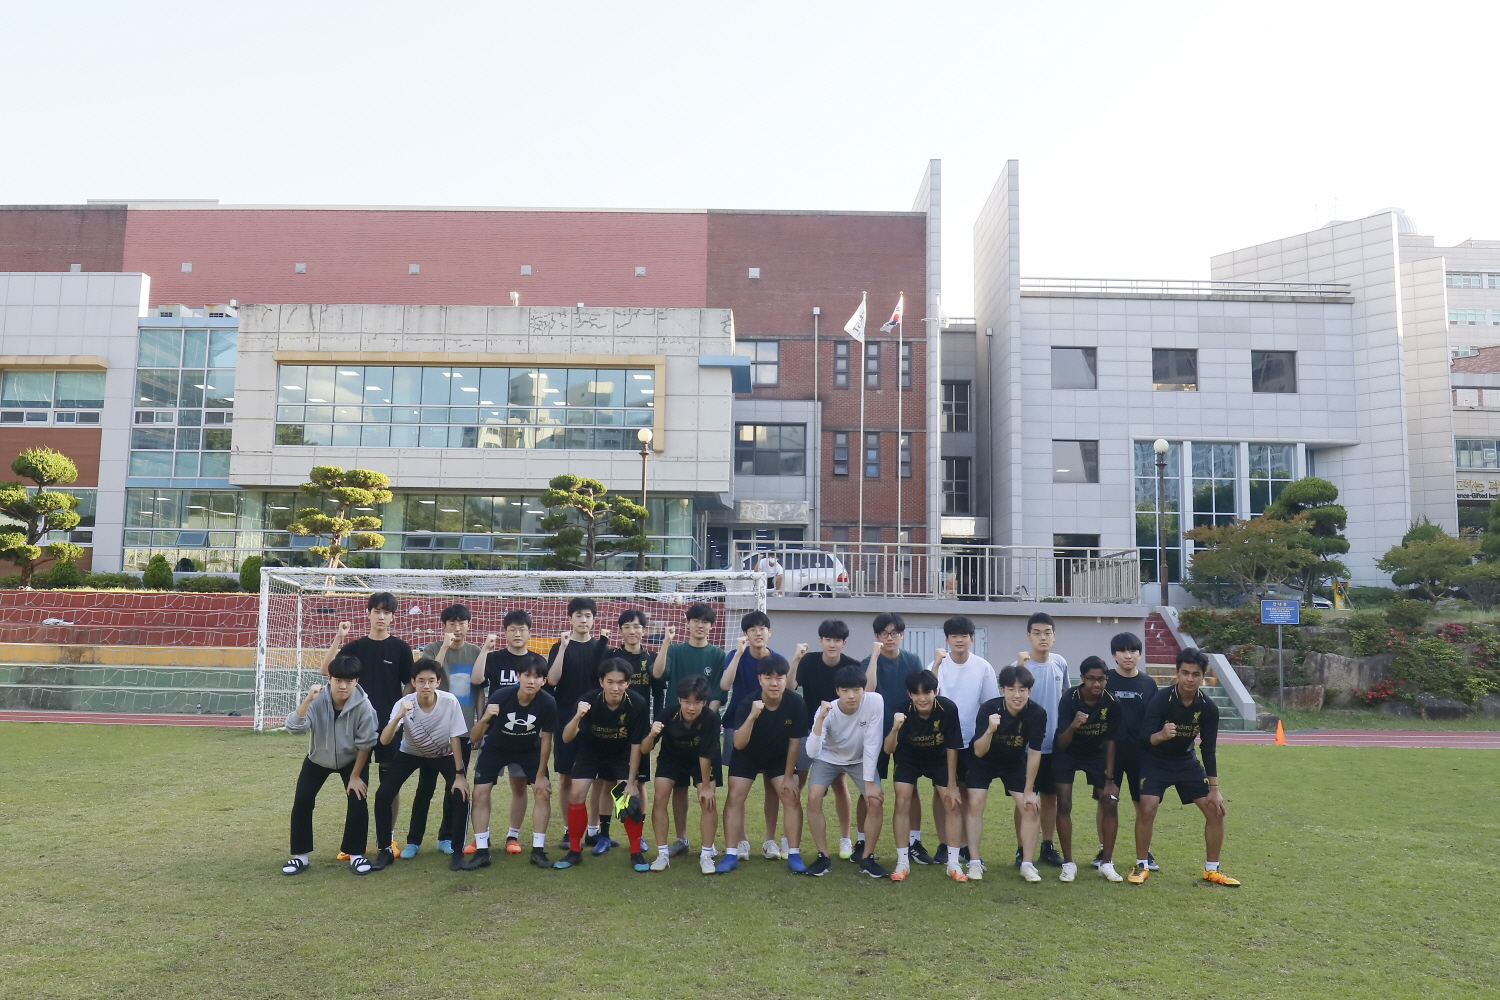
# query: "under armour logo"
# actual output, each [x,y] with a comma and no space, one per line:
[515,723]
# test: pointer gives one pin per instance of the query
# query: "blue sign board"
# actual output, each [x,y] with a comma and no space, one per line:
[1280,613]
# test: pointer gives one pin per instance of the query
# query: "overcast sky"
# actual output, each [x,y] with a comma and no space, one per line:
[1150,135]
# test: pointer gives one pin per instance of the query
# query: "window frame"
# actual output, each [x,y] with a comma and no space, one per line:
[841,364]
[780,451]
[871,445]
[905,367]
[956,487]
[765,361]
[1260,361]
[1090,357]
[903,455]
[958,407]
[872,355]
[1088,457]
[1177,354]
[840,446]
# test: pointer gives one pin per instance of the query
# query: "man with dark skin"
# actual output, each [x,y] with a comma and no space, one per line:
[1086,743]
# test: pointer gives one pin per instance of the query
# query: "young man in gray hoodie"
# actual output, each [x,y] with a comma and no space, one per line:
[343,726]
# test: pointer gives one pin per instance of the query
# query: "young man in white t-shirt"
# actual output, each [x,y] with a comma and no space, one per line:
[845,740]
[968,681]
[1050,679]
[770,567]
[433,722]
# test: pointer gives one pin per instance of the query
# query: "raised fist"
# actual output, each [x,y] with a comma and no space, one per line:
[671,634]
[940,655]
[656,728]
[491,710]
[314,691]
[756,707]
[1022,657]
[898,719]
[801,649]
[741,643]
[583,709]
[1079,718]
[343,629]
[995,721]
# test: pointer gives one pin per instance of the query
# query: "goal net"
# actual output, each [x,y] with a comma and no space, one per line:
[301,608]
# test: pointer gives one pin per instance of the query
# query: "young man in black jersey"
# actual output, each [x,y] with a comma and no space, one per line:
[1176,716]
[633,624]
[813,673]
[516,729]
[1133,689]
[572,672]
[494,670]
[689,738]
[1088,717]
[767,733]
[924,741]
[608,725]
[1008,734]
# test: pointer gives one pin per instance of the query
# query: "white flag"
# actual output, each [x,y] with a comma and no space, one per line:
[856,325]
[895,320]
[942,317]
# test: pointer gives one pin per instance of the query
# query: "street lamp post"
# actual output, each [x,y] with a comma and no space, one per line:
[644,437]
[1160,447]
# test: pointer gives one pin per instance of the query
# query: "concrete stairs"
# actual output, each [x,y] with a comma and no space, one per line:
[1161,665]
[204,680]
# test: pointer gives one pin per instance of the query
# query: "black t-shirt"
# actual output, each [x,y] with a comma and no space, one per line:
[1014,736]
[1103,723]
[607,733]
[641,681]
[580,673]
[502,668]
[773,730]
[384,673]
[1133,694]
[815,677]
[685,740]
[517,729]
[1200,719]
[926,742]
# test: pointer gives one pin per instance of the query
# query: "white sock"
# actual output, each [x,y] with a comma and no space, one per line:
[593,831]
[1210,866]
[708,850]
[913,837]
[514,833]
[301,857]
[482,839]
[860,839]
[793,850]
[903,855]
[1141,862]
[663,849]
[538,839]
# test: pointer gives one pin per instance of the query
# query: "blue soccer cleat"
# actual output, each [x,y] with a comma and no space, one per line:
[728,863]
[794,864]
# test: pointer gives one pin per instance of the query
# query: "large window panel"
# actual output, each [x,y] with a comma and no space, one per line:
[156,387]
[195,349]
[1174,370]
[1075,461]
[159,349]
[957,485]
[770,450]
[1273,371]
[1214,467]
[1075,368]
[81,390]
[1270,470]
[1148,514]
[27,389]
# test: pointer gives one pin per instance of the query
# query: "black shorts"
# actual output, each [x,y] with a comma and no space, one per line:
[909,769]
[1044,778]
[563,754]
[587,766]
[492,764]
[981,775]
[965,762]
[1128,766]
[1188,775]
[683,771]
[1065,766]
[384,753]
[743,765]
[883,765]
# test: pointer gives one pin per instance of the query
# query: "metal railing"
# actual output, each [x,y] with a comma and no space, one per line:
[949,572]
[1173,286]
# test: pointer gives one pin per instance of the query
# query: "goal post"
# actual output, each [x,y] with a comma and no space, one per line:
[301,608]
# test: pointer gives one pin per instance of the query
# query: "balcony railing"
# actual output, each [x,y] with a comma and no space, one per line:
[1171,286]
[950,572]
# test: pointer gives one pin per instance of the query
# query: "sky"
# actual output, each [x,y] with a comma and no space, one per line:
[1150,135]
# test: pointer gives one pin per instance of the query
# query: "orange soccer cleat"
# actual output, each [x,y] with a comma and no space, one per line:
[1219,878]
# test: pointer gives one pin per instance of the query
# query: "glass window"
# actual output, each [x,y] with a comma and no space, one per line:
[1273,371]
[84,390]
[841,365]
[872,455]
[840,453]
[144,437]
[906,364]
[872,364]
[640,388]
[494,386]
[1466,317]
[1458,279]
[406,386]
[1475,454]
[349,384]
[1492,281]
[1213,483]
[904,456]
[1075,461]
[957,487]
[218,390]
[156,387]
[27,389]
[320,383]
[770,449]
[1270,471]
[765,360]
[956,407]
[191,392]
[1075,368]
[223,348]
[195,349]
[1147,511]
[216,439]
[1173,369]
[156,464]
[160,349]
[291,384]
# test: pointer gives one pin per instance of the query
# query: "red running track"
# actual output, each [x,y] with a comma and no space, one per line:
[126,719]
[1452,739]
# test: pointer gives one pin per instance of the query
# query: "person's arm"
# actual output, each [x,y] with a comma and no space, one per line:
[297,721]
[726,680]
[1063,738]
[340,636]
[659,665]
[815,739]
[791,675]
[790,773]
[570,731]
[476,672]
[650,741]
[391,728]
[873,738]
[555,660]
[981,743]
[356,786]
[742,734]
[544,754]
[1156,723]
[950,790]
[1208,735]
[897,721]
[872,668]
[482,723]
[460,777]
[938,656]
[633,785]
[1029,799]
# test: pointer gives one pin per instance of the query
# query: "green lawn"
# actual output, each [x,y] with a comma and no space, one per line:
[143,862]
[1366,718]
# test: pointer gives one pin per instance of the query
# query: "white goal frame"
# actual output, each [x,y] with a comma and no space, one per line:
[285,663]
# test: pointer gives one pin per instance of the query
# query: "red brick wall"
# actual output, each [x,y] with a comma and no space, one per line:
[80,444]
[467,258]
[121,619]
[53,239]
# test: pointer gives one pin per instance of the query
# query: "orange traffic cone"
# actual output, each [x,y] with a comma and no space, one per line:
[1280,734]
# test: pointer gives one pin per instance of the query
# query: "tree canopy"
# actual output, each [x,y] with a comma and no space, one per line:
[1254,555]
[1314,500]
[589,523]
[37,511]
[341,492]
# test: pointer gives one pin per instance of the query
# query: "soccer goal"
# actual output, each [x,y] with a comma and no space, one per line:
[301,608]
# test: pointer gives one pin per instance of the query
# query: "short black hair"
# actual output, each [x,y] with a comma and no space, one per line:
[889,619]
[532,665]
[1040,618]
[1012,675]
[848,676]
[382,601]
[754,619]
[693,688]
[832,628]
[633,615]
[702,611]
[1091,663]
[1125,642]
[578,604]
[773,664]
[921,680]
[345,667]
[958,626]
[428,663]
[614,665]
[1194,656]
[455,613]
[516,617]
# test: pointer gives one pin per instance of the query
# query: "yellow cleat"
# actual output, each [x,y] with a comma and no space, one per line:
[343,857]
[1219,878]
[1139,874]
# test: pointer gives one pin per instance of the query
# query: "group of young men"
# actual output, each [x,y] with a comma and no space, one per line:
[593,714]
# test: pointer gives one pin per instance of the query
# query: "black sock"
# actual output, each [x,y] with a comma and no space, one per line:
[604,826]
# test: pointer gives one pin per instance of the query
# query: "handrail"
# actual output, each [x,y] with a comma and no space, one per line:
[1167,286]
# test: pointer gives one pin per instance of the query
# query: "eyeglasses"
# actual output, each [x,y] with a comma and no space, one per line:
[887,634]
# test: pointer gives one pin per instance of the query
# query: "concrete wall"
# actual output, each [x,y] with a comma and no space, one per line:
[997,308]
[1429,396]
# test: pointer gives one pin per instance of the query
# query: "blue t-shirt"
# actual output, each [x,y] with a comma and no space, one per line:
[747,679]
[890,679]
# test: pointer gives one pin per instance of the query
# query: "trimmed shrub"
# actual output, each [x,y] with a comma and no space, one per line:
[250,574]
[1407,615]
[208,584]
[65,574]
[158,575]
[107,581]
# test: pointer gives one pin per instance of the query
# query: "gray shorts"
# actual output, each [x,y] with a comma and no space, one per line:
[824,773]
[804,762]
[515,771]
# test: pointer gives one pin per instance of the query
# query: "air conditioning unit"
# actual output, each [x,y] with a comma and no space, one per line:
[220,310]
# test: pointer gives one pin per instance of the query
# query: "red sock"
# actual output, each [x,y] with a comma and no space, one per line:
[633,831]
[578,820]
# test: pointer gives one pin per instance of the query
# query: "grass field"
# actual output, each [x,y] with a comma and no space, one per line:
[1368,718]
[143,862]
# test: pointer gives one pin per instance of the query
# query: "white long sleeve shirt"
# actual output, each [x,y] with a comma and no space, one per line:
[850,739]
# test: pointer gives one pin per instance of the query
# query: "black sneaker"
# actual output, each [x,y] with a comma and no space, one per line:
[919,855]
[871,867]
[1049,855]
[590,839]
[941,857]
[820,866]
[1151,865]
[569,860]
[479,859]
[963,854]
[1098,858]
[859,852]
[382,860]
[1018,857]
[539,857]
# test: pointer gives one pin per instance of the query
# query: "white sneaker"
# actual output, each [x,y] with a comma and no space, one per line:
[976,870]
[744,849]
[706,863]
[661,863]
[1107,869]
[1069,872]
[846,848]
[770,851]
[1029,872]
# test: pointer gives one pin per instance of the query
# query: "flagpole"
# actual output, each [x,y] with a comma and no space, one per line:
[863,364]
[900,376]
